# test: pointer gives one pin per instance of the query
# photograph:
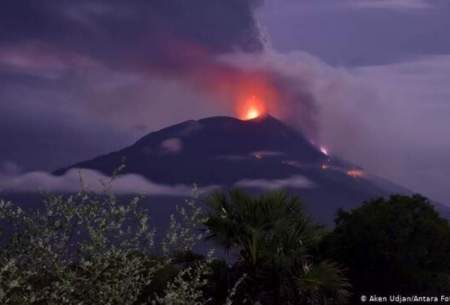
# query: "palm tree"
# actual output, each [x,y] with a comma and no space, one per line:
[275,238]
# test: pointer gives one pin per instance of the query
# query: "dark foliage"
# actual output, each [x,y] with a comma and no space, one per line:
[395,245]
[274,240]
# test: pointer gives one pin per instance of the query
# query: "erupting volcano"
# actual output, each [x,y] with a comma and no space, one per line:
[252,113]
[247,153]
[251,109]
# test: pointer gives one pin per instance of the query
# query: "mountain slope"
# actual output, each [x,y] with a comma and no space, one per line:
[256,154]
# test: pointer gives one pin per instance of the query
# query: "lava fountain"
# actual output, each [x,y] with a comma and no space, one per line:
[252,113]
[251,108]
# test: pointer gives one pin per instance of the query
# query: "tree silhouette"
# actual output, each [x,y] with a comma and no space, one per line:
[399,245]
[274,239]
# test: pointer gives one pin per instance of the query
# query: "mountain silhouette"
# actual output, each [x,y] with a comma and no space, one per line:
[262,153]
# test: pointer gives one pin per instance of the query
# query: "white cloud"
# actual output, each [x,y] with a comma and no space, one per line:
[291,182]
[75,179]
[266,153]
[171,145]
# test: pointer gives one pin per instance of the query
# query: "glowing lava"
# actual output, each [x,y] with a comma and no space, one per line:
[252,113]
[251,108]
[355,173]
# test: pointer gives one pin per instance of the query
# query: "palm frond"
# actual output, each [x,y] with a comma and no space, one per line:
[323,283]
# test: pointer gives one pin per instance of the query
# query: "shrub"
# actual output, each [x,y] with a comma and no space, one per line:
[274,241]
[395,245]
[94,249]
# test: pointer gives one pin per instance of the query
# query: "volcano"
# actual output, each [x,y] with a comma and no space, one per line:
[258,154]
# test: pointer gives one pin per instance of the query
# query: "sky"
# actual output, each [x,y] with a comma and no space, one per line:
[368,79]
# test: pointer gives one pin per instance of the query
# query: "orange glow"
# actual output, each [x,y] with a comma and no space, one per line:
[324,166]
[252,113]
[251,108]
[355,173]
[234,86]
[254,95]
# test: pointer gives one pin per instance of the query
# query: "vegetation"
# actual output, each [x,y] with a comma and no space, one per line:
[392,246]
[95,249]
[274,240]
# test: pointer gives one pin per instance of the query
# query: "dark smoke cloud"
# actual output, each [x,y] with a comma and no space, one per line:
[83,77]
[107,72]
[156,34]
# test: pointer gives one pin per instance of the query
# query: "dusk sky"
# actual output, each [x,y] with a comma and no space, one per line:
[368,79]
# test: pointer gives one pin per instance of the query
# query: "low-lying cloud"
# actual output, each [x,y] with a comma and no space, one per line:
[75,180]
[291,182]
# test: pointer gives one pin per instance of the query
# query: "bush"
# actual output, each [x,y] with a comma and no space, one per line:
[90,248]
[93,249]
[391,246]
[274,241]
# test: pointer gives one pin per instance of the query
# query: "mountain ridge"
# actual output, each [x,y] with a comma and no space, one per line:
[210,138]
[259,154]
